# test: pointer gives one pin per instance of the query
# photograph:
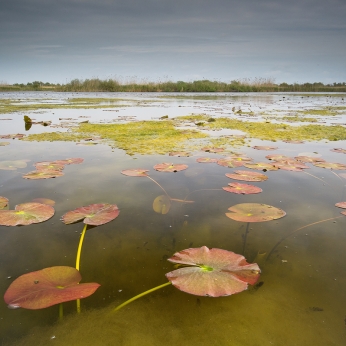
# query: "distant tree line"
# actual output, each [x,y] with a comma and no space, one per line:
[112,85]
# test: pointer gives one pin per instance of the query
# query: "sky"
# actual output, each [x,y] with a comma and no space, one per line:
[159,40]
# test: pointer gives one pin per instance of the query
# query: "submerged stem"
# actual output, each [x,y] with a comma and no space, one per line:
[141,295]
[61,311]
[245,237]
[159,186]
[79,251]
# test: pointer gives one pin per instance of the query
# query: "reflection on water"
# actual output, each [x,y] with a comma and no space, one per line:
[300,298]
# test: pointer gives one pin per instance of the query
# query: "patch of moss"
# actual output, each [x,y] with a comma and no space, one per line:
[327,111]
[297,118]
[273,131]
[95,100]
[54,137]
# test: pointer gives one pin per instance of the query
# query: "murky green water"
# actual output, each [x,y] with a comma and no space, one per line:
[301,299]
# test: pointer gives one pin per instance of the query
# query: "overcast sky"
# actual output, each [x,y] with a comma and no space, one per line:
[286,40]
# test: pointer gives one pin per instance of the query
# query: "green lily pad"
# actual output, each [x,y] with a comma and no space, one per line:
[330,165]
[93,214]
[161,204]
[247,176]
[135,172]
[206,160]
[26,214]
[3,202]
[262,166]
[13,165]
[47,287]
[212,272]
[169,167]
[244,189]
[254,212]
[44,174]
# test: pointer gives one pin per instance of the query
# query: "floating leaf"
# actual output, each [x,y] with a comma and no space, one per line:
[290,165]
[3,202]
[277,157]
[341,205]
[26,214]
[330,165]
[264,147]
[161,204]
[169,167]
[212,149]
[49,166]
[229,162]
[309,159]
[339,150]
[179,153]
[70,161]
[93,214]
[44,201]
[13,165]
[213,272]
[47,287]
[27,119]
[34,175]
[206,160]
[135,172]
[254,212]
[2,144]
[263,166]
[244,189]
[247,176]
[294,141]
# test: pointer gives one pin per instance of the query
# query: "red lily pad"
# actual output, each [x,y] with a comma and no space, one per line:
[49,166]
[309,159]
[247,176]
[341,205]
[239,157]
[277,157]
[26,214]
[179,154]
[70,161]
[262,166]
[330,165]
[162,204]
[13,165]
[34,175]
[254,212]
[264,147]
[229,162]
[212,272]
[213,150]
[206,160]
[290,165]
[44,201]
[339,150]
[135,172]
[93,214]
[169,167]
[47,287]
[3,202]
[244,189]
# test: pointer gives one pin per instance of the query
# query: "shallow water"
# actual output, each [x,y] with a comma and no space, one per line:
[301,300]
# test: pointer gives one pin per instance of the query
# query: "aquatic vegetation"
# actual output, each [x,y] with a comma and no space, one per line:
[264,147]
[169,167]
[3,144]
[208,272]
[262,166]
[44,201]
[162,204]
[47,287]
[13,165]
[42,174]
[330,165]
[206,160]
[230,162]
[247,176]
[3,202]
[244,189]
[339,150]
[26,214]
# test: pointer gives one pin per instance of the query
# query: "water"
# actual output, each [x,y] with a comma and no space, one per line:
[300,299]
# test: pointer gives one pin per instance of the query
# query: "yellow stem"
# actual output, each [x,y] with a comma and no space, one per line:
[79,251]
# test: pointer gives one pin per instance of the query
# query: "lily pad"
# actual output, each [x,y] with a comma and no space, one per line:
[341,205]
[289,165]
[277,157]
[309,159]
[262,166]
[13,165]
[70,161]
[169,167]
[47,287]
[161,204]
[44,201]
[179,154]
[230,162]
[254,212]
[212,272]
[49,166]
[26,214]
[244,189]
[3,202]
[264,147]
[339,150]
[135,172]
[2,144]
[213,150]
[206,160]
[330,165]
[247,176]
[44,174]
[93,214]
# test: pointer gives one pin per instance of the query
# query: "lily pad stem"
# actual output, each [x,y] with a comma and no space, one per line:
[159,186]
[79,251]
[61,311]
[141,295]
